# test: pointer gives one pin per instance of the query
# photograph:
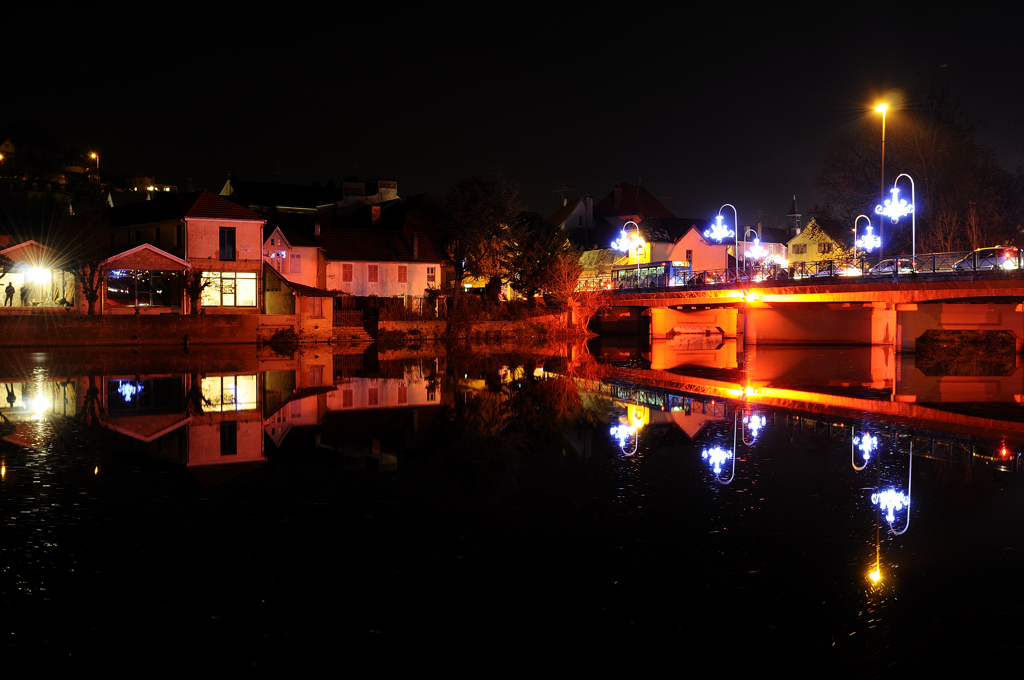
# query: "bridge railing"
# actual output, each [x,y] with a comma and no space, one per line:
[848,270]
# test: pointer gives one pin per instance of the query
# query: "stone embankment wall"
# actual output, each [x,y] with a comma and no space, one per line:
[435,329]
[65,329]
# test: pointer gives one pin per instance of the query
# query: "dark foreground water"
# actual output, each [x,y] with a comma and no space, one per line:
[149,537]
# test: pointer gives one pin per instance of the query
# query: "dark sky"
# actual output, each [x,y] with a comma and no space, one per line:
[706,108]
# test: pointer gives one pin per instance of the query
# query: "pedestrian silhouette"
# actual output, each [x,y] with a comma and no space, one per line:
[9,299]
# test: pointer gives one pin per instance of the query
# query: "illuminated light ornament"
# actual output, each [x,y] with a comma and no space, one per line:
[891,500]
[869,241]
[896,207]
[128,390]
[623,243]
[716,457]
[866,444]
[756,251]
[718,231]
[754,424]
[622,432]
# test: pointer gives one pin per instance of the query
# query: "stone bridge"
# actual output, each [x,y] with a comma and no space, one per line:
[892,311]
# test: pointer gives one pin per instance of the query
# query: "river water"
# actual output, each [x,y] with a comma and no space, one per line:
[236,509]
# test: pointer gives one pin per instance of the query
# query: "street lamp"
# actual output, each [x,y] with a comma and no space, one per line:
[757,250]
[867,242]
[719,231]
[882,108]
[634,242]
[896,207]
[96,157]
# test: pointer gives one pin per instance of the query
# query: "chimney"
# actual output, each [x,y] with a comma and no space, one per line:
[588,220]
[415,246]
[759,228]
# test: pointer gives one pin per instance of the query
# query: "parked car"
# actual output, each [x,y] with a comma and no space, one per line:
[894,265]
[995,257]
[835,269]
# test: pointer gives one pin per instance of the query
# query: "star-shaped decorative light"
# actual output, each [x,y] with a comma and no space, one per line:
[718,231]
[715,457]
[866,444]
[896,207]
[891,500]
[869,241]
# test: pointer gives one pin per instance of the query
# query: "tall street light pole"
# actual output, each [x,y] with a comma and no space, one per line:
[882,108]
[913,221]
[736,221]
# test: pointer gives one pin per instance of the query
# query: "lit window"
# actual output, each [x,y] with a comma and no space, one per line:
[229,289]
[431,276]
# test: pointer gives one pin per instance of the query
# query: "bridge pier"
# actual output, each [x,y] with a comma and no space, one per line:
[914,319]
[815,323]
[666,322]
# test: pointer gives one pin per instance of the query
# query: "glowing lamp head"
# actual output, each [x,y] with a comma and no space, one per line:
[882,108]
[875,576]
[719,231]
[895,207]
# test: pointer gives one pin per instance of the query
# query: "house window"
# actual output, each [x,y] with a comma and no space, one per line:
[403,394]
[372,275]
[431,276]
[229,289]
[799,248]
[228,438]
[403,273]
[372,397]
[689,257]
[227,244]
[824,247]
[296,263]
[313,306]
[346,273]
[229,393]
[346,399]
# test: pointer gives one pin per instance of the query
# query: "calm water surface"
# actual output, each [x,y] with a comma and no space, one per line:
[232,509]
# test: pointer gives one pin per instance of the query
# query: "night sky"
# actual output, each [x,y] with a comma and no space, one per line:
[706,109]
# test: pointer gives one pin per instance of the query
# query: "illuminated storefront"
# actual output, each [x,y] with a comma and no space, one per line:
[36,280]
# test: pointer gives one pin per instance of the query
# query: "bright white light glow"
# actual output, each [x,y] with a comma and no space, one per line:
[756,251]
[891,500]
[718,231]
[866,444]
[38,274]
[622,432]
[716,457]
[869,241]
[128,390]
[896,207]
[754,424]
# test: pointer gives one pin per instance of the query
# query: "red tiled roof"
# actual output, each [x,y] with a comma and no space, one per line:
[210,206]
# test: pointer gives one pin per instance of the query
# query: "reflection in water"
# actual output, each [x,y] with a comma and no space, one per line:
[482,421]
[890,501]
[716,456]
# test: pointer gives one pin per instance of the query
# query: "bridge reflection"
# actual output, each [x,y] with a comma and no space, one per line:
[956,417]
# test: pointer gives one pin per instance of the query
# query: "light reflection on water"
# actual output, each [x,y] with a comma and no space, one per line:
[749,496]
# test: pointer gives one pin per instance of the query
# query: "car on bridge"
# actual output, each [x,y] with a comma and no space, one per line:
[838,269]
[983,259]
[894,265]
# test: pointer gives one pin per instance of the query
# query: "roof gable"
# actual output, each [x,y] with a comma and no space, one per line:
[210,206]
[376,245]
